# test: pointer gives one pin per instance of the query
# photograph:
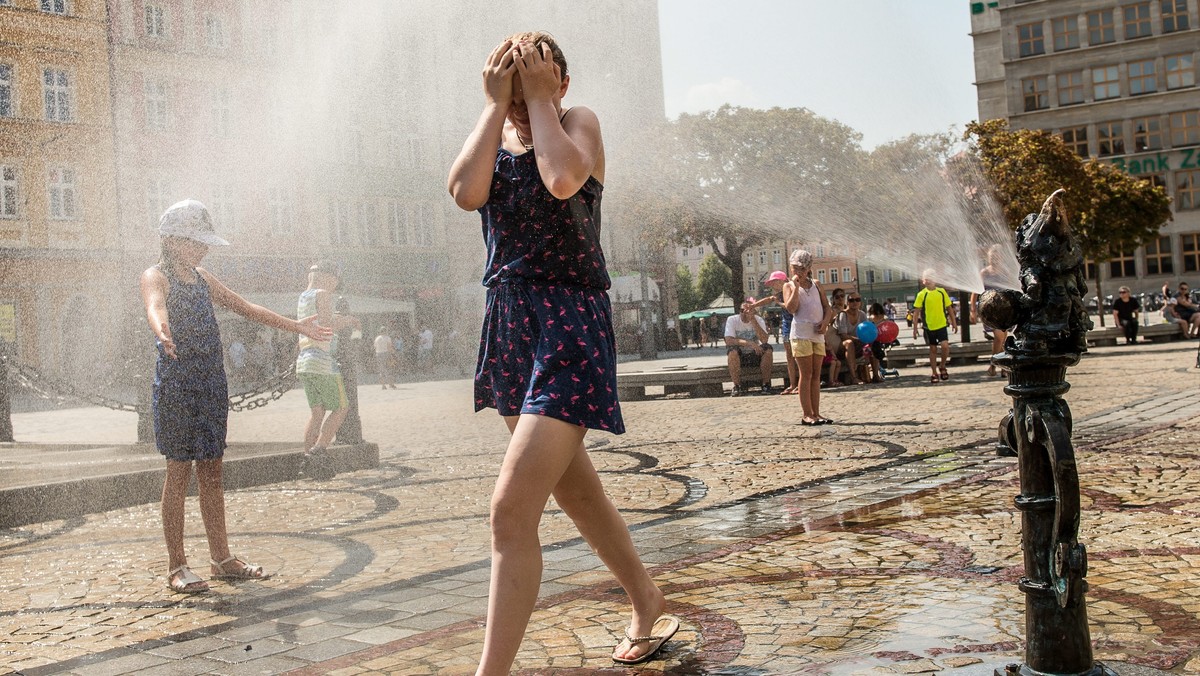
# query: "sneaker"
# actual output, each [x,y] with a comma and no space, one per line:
[737,391]
[766,389]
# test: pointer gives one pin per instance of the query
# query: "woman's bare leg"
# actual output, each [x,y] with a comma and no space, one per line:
[538,454]
[814,384]
[581,496]
[807,384]
[175,486]
[212,507]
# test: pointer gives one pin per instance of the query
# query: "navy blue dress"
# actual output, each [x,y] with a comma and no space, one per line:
[547,345]
[191,397]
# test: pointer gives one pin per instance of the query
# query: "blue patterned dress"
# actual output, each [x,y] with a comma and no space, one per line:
[191,397]
[547,345]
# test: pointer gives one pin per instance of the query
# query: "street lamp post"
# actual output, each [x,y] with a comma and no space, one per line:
[1051,333]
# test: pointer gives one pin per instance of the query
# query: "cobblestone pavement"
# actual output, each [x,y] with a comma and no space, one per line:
[887,543]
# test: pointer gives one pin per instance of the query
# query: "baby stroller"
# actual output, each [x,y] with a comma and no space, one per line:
[878,350]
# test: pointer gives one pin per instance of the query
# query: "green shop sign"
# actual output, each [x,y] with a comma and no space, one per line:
[1187,158]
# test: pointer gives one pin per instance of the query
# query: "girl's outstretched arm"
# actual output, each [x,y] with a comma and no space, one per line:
[229,300]
[154,287]
[567,152]
[470,180]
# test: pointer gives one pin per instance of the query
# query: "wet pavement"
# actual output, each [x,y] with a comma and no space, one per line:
[886,543]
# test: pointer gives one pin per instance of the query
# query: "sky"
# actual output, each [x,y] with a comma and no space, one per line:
[887,68]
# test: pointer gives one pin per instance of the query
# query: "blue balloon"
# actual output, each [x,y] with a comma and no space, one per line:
[867,332]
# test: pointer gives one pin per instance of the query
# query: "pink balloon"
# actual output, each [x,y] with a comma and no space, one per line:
[888,331]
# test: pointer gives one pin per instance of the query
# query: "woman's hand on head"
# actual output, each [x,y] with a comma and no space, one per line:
[541,78]
[498,73]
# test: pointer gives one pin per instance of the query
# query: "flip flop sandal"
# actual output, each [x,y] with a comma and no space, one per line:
[945,375]
[245,572]
[934,379]
[663,630]
[824,421]
[808,423]
[184,584]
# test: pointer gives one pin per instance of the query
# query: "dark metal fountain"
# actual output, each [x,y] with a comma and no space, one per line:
[1051,330]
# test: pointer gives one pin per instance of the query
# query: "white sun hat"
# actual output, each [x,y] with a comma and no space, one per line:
[189,219]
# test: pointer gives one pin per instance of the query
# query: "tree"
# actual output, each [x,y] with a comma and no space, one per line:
[689,299]
[713,280]
[1110,210]
[733,178]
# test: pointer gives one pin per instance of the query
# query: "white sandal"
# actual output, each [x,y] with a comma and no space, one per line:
[664,628]
[246,572]
[183,583]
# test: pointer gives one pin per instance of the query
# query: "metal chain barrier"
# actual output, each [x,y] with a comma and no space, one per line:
[61,392]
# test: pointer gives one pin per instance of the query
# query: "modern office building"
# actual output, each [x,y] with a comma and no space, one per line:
[1116,80]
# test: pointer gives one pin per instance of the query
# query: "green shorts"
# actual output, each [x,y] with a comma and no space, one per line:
[324,390]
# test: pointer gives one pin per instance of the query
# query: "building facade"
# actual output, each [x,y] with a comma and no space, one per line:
[310,129]
[59,242]
[1116,80]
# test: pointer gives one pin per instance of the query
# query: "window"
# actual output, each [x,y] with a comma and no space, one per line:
[1066,33]
[56,85]
[398,227]
[1179,71]
[158,198]
[157,112]
[1029,39]
[156,21]
[762,258]
[700,252]
[368,224]
[279,211]
[1147,134]
[1109,139]
[1122,265]
[887,275]
[1037,93]
[214,32]
[1156,180]
[8,192]
[820,252]
[219,112]
[63,203]
[1137,20]
[1158,257]
[221,206]
[749,259]
[1100,27]
[1105,83]
[424,224]
[833,276]
[777,257]
[6,89]
[870,276]
[1070,88]
[55,6]
[339,222]
[1187,190]
[1174,15]
[820,276]
[845,274]
[1185,128]
[1141,77]
[1077,140]
[1189,243]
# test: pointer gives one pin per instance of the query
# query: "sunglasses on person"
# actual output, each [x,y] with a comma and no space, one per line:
[855,300]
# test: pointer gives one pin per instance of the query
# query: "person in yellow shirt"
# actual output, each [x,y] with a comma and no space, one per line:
[932,308]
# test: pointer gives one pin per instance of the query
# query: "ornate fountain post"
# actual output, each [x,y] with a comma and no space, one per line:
[1051,333]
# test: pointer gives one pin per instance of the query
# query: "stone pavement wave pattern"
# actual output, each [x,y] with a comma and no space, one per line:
[885,543]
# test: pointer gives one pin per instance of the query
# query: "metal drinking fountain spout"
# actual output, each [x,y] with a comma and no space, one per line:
[1051,325]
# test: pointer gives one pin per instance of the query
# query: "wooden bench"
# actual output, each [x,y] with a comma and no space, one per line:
[705,381]
[969,353]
